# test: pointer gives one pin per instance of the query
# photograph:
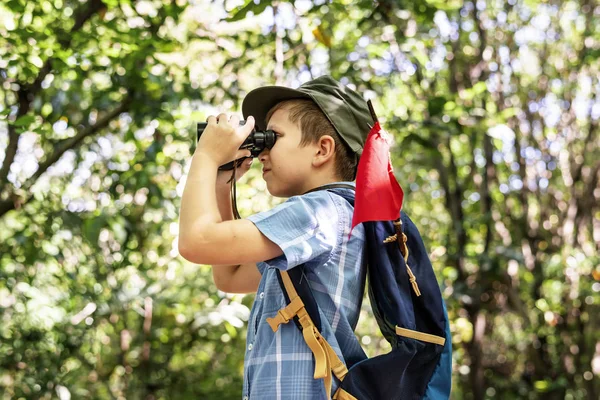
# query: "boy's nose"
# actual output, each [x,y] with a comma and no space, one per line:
[262,156]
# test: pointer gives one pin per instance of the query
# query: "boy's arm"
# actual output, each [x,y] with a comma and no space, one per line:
[237,278]
[204,237]
[233,278]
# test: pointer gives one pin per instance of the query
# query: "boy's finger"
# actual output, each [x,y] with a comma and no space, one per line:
[246,164]
[234,121]
[211,120]
[249,126]
[222,118]
[243,153]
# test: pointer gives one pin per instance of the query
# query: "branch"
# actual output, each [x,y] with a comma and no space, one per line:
[9,156]
[60,149]
[82,16]
[455,84]
[590,138]
[573,211]
[27,92]
[478,72]
[486,198]
[454,209]
[278,72]
[457,195]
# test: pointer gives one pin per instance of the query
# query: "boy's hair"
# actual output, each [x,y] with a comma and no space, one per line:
[313,125]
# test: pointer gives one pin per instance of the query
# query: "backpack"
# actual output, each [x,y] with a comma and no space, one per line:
[409,309]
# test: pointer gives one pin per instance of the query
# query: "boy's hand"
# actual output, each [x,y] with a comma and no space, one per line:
[223,177]
[221,139]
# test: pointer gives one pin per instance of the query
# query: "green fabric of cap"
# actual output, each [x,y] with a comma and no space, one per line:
[346,110]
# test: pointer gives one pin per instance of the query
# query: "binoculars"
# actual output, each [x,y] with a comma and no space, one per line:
[256,142]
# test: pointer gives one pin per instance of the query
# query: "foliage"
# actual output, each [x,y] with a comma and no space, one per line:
[494,107]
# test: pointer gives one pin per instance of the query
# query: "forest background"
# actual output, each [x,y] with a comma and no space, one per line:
[494,107]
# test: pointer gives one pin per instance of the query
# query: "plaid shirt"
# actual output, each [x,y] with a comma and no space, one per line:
[311,229]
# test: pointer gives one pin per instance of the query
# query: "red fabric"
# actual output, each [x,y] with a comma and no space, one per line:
[378,194]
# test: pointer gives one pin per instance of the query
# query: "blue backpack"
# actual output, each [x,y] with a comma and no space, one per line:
[409,309]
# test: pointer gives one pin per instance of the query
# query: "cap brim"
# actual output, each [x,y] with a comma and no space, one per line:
[259,101]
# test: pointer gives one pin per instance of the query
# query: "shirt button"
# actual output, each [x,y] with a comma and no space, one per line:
[261,295]
[245,397]
[250,346]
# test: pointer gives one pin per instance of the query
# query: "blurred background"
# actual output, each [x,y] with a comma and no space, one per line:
[494,106]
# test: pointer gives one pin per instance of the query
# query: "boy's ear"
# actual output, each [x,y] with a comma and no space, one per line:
[325,150]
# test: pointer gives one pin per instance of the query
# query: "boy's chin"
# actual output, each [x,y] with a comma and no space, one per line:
[282,192]
[276,193]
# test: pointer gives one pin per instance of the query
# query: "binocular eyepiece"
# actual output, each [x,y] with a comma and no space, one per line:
[256,142]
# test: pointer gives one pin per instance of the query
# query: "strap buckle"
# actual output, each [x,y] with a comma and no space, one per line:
[285,314]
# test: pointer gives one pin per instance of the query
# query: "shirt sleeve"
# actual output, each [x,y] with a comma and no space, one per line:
[304,227]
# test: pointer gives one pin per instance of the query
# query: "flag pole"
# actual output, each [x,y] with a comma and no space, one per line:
[372,111]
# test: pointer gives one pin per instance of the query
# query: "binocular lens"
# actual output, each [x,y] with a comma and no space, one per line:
[256,142]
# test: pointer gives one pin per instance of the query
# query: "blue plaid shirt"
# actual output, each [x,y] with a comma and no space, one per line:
[311,229]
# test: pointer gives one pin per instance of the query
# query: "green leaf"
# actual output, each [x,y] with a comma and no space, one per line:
[24,120]
[541,386]
[445,4]
[420,140]
[508,113]
[15,5]
[241,12]
[436,105]
[479,88]
[119,229]
[92,228]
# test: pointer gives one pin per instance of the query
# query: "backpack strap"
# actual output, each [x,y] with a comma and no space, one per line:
[398,237]
[326,360]
[303,309]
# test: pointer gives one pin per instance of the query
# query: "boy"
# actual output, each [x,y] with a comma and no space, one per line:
[321,128]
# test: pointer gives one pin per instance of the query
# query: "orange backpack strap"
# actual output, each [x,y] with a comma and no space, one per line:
[326,360]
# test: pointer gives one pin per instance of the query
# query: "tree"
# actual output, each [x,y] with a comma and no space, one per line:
[494,107]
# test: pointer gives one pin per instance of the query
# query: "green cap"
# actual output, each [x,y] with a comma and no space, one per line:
[346,110]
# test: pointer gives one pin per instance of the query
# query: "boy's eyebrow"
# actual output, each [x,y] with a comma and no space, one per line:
[273,128]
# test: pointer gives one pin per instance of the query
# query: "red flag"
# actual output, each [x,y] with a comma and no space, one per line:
[378,194]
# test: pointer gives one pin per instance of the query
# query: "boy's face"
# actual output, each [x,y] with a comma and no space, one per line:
[287,167]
